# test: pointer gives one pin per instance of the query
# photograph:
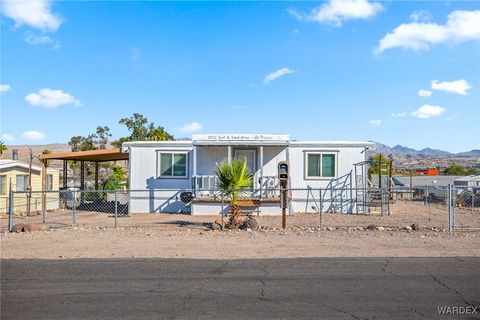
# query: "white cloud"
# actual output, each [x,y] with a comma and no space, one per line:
[461,26]
[33,135]
[7,137]
[191,127]
[4,87]
[36,14]
[459,86]
[424,93]
[277,74]
[335,12]
[398,114]
[375,122]
[420,16]
[428,111]
[35,39]
[51,99]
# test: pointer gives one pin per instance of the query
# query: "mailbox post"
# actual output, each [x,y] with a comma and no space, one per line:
[283,177]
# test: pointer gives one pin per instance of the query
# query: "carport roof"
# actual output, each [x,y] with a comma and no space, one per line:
[103,155]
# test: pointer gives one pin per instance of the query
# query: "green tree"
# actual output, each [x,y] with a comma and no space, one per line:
[233,180]
[3,147]
[117,178]
[46,163]
[102,136]
[458,170]
[79,143]
[379,161]
[141,130]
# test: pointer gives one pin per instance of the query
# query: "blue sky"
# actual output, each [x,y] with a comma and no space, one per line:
[336,70]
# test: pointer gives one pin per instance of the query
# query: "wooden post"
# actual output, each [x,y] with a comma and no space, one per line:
[82,175]
[44,189]
[96,175]
[390,174]
[29,195]
[380,172]
[65,174]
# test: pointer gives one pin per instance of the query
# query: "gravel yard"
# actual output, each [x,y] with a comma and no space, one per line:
[183,235]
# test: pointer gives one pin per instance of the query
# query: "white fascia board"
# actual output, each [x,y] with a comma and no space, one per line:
[126,145]
[329,144]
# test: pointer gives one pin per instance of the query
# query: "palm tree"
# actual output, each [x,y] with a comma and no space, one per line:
[234,179]
[3,147]
[46,162]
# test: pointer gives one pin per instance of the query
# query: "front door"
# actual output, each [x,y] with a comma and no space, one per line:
[251,156]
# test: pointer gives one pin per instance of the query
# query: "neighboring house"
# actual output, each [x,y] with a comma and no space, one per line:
[16,173]
[165,168]
[423,181]
[468,181]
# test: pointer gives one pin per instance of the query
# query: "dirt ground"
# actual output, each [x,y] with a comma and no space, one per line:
[150,242]
[186,236]
[402,213]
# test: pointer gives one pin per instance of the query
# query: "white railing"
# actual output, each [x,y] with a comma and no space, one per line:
[205,185]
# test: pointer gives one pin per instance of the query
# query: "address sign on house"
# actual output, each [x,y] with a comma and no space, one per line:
[240,137]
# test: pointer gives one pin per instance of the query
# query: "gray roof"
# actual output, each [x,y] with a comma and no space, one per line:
[469,178]
[425,180]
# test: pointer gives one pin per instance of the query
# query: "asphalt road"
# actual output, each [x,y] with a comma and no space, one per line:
[323,288]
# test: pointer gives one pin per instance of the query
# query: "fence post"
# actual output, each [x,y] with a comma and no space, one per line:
[320,207]
[221,212]
[74,220]
[44,205]
[449,207]
[10,209]
[454,204]
[473,198]
[116,208]
[426,195]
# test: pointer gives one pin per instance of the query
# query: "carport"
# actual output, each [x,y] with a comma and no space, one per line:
[95,156]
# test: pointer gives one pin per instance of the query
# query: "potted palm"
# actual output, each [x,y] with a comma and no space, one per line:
[234,179]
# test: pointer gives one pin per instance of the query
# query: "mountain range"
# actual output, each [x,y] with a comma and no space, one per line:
[425,152]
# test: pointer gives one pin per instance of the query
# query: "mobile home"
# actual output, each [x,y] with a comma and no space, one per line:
[164,170]
[15,174]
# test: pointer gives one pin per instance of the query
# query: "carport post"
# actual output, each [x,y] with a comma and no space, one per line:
[96,175]
[116,208]
[65,174]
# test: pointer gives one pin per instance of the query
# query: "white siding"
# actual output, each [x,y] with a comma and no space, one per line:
[345,160]
[143,169]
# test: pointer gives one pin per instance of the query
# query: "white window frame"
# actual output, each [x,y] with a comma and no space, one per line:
[25,182]
[51,182]
[3,185]
[320,153]
[172,152]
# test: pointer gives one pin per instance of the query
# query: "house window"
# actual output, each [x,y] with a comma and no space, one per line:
[320,165]
[172,164]
[3,185]
[21,182]
[49,182]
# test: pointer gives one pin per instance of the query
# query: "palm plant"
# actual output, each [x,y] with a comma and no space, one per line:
[3,147]
[234,179]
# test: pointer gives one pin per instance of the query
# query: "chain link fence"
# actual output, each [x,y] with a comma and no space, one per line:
[430,208]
